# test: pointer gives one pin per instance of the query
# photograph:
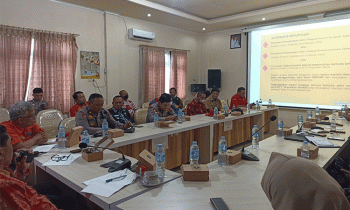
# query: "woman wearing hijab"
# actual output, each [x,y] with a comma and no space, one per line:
[293,183]
[197,105]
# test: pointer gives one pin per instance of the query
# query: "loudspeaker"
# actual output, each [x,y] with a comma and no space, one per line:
[214,78]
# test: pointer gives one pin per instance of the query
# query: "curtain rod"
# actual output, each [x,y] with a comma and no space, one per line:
[36,30]
[143,45]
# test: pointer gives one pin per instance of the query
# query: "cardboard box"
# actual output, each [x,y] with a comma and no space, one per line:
[163,124]
[244,109]
[147,159]
[235,113]
[271,106]
[221,116]
[187,118]
[287,132]
[309,124]
[73,137]
[90,156]
[233,156]
[313,153]
[198,173]
[115,133]
[311,120]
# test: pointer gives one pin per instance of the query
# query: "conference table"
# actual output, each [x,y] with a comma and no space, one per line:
[201,128]
[238,184]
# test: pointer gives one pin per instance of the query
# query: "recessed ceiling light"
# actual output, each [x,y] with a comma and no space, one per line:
[203,29]
[263,19]
[149,15]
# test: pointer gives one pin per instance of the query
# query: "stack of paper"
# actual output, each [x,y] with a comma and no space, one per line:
[44,148]
[319,141]
[99,186]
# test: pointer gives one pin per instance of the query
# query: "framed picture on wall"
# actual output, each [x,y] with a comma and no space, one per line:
[235,41]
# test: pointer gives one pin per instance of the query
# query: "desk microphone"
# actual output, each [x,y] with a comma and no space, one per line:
[246,155]
[119,164]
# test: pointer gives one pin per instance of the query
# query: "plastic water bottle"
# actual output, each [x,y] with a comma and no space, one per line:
[160,159]
[317,113]
[270,101]
[255,140]
[280,128]
[225,109]
[309,115]
[305,150]
[222,151]
[179,117]
[342,111]
[61,138]
[300,121]
[248,108]
[105,128]
[156,119]
[216,113]
[333,125]
[334,114]
[260,101]
[85,137]
[257,105]
[194,153]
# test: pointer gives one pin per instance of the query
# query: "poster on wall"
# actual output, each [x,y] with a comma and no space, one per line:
[235,41]
[90,65]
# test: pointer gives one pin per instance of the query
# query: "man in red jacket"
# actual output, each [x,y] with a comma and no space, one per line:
[80,102]
[239,99]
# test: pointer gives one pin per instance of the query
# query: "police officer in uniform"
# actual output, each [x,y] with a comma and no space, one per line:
[91,117]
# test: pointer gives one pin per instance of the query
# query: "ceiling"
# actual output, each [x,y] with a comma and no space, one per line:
[214,15]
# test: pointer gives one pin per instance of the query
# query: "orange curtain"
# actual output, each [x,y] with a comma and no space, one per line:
[153,73]
[54,67]
[15,47]
[179,72]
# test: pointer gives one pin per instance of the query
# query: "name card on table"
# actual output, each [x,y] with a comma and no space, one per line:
[161,140]
[228,126]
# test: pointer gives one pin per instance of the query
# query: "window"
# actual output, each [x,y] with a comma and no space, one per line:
[167,70]
[30,67]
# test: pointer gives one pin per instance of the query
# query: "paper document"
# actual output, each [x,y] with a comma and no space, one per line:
[337,128]
[63,159]
[99,186]
[319,141]
[44,148]
[316,130]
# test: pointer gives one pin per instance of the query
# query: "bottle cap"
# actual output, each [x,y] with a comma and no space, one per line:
[306,142]
[222,137]
[194,143]
[160,145]
[255,126]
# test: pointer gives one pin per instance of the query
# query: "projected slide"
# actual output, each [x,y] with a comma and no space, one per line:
[306,67]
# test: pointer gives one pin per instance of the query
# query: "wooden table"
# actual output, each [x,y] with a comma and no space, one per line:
[239,184]
[80,170]
[205,130]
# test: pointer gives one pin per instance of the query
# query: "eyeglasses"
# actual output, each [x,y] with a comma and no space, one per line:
[59,158]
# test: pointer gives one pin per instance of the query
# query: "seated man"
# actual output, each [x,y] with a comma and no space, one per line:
[213,101]
[91,117]
[173,93]
[129,105]
[80,102]
[163,109]
[15,193]
[22,127]
[118,113]
[197,106]
[38,101]
[175,105]
[239,99]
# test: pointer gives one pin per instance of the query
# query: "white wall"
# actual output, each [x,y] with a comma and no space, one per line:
[232,62]
[123,54]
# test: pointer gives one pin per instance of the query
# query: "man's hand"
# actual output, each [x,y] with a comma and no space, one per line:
[168,118]
[127,125]
[347,173]
[40,138]
[22,167]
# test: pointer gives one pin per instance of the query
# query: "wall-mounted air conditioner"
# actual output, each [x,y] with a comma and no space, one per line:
[136,34]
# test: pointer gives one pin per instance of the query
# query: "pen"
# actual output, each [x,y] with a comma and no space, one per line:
[119,178]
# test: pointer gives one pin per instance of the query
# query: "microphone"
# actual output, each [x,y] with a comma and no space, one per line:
[246,155]
[119,164]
